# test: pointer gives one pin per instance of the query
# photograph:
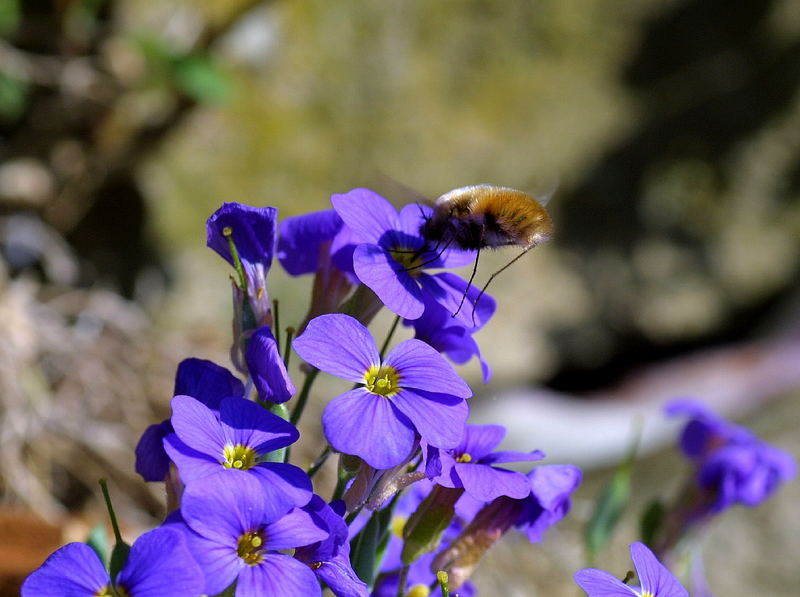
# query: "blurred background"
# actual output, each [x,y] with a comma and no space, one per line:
[669,129]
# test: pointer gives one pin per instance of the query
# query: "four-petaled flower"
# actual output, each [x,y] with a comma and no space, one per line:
[159,565]
[413,390]
[392,255]
[655,579]
[236,535]
[198,378]
[471,465]
[236,443]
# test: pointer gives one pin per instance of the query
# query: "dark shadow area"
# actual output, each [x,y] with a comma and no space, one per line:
[709,78]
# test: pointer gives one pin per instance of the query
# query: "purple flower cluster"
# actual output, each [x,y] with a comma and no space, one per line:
[419,490]
[733,466]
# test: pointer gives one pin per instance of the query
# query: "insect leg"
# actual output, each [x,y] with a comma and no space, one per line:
[437,256]
[469,283]
[489,281]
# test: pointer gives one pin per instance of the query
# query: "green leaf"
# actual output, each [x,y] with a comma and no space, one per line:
[283,412]
[366,545]
[98,541]
[13,94]
[652,519]
[611,502]
[154,50]
[425,527]
[200,78]
[9,16]
[119,555]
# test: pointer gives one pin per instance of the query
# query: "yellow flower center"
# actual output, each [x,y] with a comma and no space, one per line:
[419,591]
[465,457]
[398,524]
[410,259]
[239,457]
[250,547]
[384,381]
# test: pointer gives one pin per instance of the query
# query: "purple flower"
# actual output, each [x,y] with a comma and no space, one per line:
[159,565]
[449,335]
[265,364]
[303,238]
[655,579]
[319,243]
[235,445]
[469,465]
[412,390]
[152,461]
[253,230]
[330,558]
[206,381]
[392,256]
[733,465]
[238,536]
[201,379]
[547,503]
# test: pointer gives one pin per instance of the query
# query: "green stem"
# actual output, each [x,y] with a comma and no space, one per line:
[276,323]
[442,579]
[303,397]
[341,485]
[320,460]
[227,232]
[110,508]
[401,584]
[287,350]
[389,336]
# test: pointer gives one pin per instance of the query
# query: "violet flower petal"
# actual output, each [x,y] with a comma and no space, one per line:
[206,381]
[295,529]
[486,483]
[480,440]
[397,289]
[599,583]
[654,576]
[420,366]
[512,456]
[338,344]
[438,418]
[301,237]
[448,289]
[285,486]
[74,570]
[196,425]
[152,462]
[278,575]
[245,422]
[366,213]
[369,426]
[160,565]
[266,367]
[254,230]
[191,463]
[338,574]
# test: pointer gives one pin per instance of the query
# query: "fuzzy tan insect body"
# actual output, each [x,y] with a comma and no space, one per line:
[481,216]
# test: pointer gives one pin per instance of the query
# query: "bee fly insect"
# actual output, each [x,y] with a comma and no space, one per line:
[484,216]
